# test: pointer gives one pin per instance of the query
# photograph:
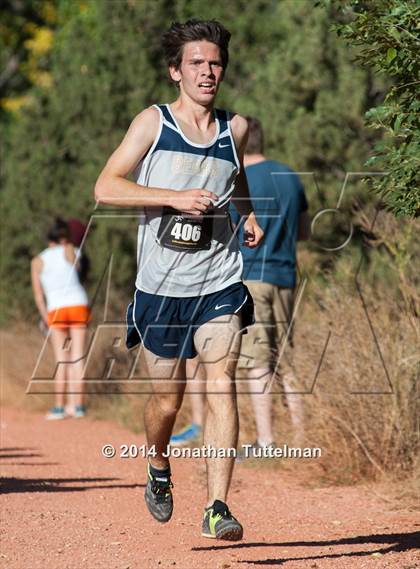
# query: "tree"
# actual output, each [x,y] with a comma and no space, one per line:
[103,73]
[26,36]
[386,33]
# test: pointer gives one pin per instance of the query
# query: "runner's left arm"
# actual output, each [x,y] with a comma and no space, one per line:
[253,234]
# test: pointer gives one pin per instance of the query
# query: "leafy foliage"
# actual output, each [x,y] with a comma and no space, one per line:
[386,33]
[26,36]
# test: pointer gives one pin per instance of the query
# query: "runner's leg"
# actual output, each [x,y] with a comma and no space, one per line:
[218,344]
[195,387]
[168,385]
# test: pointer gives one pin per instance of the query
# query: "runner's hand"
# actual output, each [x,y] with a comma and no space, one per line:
[253,234]
[194,202]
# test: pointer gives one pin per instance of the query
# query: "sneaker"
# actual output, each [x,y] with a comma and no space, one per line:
[158,496]
[77,411]
[256,450]
[189,434]
[218,523]
[55,414]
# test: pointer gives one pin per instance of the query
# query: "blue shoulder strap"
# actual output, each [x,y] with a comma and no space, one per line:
[223,119]
[167,115]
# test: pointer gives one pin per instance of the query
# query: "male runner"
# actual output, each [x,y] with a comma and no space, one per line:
[189,298]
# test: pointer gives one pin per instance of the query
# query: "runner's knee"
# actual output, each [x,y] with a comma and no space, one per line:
[168,403]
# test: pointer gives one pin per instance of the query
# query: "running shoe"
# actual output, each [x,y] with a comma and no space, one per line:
[218,523]
[158,496]
[188,435]
[55,414]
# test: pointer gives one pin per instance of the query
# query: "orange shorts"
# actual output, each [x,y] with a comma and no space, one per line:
[69,316]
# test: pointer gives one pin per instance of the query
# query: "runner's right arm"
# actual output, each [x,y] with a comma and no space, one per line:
[113,187]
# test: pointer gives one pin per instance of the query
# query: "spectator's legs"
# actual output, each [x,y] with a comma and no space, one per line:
[75,387]
[261,402]
[294,403]
[62,357]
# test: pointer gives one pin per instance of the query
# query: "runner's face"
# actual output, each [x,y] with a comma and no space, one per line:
[201,71]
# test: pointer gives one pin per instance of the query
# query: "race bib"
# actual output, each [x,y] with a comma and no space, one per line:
[183,231]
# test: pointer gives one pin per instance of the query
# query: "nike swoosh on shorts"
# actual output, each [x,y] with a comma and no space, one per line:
[217,307]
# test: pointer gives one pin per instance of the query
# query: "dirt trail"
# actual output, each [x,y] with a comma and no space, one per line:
[65,506]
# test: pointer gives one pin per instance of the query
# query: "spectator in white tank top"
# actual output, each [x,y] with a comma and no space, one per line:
[63,305]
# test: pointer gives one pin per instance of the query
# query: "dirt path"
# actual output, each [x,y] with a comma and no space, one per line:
[65,506]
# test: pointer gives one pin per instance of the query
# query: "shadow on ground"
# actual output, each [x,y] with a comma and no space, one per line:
[18,485]
[399,542]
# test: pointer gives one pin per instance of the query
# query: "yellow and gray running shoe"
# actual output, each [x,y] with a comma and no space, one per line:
[218,523]
[158,496]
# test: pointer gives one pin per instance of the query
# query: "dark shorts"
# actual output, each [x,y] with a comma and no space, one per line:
[166,325]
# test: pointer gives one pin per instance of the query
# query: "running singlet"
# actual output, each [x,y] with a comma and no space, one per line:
[59,280]
[180,255]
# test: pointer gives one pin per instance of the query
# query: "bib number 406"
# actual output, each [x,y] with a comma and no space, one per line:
[186,232]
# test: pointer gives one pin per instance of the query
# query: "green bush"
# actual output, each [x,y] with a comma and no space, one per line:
[386,33]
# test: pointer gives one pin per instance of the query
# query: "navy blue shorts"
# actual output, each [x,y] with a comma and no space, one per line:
[165,325]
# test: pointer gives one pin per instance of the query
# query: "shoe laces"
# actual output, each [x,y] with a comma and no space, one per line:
[227,514]
[161,489]
[222,514]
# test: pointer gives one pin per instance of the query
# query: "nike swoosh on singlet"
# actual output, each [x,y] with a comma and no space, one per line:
[217,307]
[223,145]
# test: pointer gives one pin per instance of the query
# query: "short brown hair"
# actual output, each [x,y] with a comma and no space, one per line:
[178,35]
[255,143]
